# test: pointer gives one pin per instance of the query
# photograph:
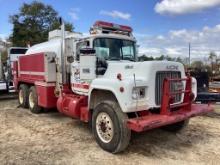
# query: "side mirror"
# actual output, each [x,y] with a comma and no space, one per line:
[70,59]
[101,66]
[85,51]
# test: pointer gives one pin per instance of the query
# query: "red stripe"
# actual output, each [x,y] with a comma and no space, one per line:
[32,77]
[83,86]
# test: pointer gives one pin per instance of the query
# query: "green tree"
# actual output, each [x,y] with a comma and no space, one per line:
[145,58]
[33,22]
[198,65]
[213,59]
[4,55]
[212,56]
[168,58]
[162,57]
[178,59]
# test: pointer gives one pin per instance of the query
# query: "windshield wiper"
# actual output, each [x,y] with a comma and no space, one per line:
[114,59]
[129,59]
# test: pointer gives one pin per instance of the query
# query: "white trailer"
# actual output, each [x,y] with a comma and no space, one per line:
[3,84]
[6,78]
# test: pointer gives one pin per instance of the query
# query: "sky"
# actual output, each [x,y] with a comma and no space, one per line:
[160,26]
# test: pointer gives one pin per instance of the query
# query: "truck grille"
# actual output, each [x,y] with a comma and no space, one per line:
[160,76]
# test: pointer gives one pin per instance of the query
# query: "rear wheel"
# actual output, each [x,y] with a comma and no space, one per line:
[23,95]
[33,101]
[109,127]
[176,127]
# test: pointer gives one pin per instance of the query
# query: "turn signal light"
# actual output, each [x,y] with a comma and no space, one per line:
[119,76]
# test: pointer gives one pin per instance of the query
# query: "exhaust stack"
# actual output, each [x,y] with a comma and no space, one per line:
[63,55]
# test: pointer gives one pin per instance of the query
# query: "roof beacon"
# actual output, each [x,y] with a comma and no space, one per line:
[107,27]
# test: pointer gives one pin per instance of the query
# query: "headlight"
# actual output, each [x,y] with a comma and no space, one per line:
[138,93]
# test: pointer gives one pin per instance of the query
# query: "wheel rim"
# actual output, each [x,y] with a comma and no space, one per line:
[21,96]
[31,100]
[104,127]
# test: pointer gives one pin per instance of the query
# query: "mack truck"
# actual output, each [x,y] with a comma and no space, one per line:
[98,80]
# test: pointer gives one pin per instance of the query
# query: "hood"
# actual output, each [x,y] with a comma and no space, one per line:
[142,70]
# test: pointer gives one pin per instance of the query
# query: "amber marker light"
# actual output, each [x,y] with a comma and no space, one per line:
[122,89]
[119,76]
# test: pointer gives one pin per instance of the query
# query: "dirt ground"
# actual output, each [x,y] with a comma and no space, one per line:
[51,138]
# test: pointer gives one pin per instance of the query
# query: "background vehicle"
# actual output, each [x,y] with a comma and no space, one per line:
[97,79]
[208,91]
[6,78]
[3,86]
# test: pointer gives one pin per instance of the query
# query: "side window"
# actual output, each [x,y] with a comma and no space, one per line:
[102,53]
[102,49]
[79,46]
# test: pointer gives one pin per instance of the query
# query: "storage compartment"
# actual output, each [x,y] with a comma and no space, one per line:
[37,67]
[46,96]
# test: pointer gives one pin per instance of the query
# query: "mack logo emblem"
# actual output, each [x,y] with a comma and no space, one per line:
[172,67]
[86,70]
[129,67]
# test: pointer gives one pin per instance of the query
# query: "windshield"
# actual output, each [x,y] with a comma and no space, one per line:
[18,51]
[114,49]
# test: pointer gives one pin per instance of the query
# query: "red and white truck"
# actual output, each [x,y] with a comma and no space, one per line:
[98,79]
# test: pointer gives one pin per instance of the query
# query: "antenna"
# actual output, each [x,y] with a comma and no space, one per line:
[189,54]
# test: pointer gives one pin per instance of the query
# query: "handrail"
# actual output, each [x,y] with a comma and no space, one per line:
[178,79]
[178,92]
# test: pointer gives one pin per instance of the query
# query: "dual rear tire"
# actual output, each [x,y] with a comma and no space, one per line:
[27,98]
[23,95]
[33,101]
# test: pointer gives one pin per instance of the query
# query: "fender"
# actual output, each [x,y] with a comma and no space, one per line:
[112,85]
[124,98]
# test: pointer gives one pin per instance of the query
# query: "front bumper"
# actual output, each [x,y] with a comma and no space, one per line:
[152,121]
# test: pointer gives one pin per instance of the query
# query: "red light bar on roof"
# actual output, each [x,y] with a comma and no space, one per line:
[109,25]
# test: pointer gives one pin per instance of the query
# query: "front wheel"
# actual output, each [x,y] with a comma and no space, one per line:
[109,127]
[33,101]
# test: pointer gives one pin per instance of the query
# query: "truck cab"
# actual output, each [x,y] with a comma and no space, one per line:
[116,58]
